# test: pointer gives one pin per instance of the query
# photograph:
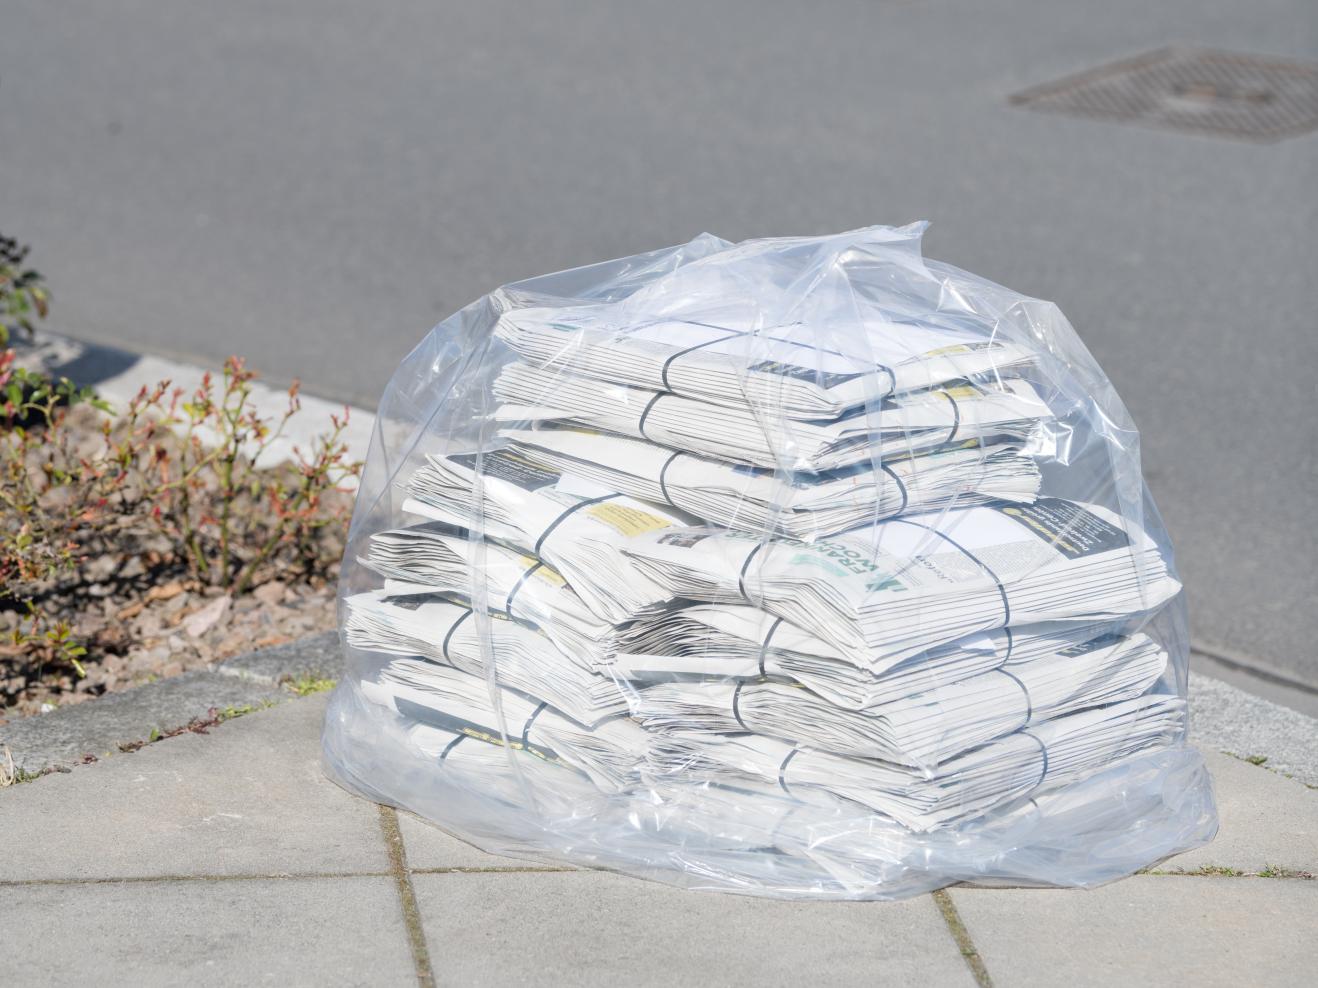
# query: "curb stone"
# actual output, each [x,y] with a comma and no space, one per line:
[1222,717]
[65,737]
[118,375]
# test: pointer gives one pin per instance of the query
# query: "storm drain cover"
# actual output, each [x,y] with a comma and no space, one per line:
[1210,92]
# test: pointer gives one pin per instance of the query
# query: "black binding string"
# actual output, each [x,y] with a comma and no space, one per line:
[449,634]
[1043,750]
[645,413]
[663,371]
[451,745]
[956,416]
[900,487]
[1002,591]
[508,602]
[539,543]
[1029,705]
[782,778]
[663,485]
[764,646]
[741,577]
[526,729]
[736,712]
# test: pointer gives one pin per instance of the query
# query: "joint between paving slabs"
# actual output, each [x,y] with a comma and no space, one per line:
[1223,871]
[274,876]
[961,936]
[416,936]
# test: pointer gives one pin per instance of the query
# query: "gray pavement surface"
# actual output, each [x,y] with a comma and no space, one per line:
[315,185]
[1226,719]
[1148,930]
[230,859]
[66,736]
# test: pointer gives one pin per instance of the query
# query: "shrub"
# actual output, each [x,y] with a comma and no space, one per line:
[176,480]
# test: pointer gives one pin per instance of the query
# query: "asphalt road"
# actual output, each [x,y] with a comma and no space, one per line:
[316,185]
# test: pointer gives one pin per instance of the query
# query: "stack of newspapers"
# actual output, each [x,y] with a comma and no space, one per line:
[735,581]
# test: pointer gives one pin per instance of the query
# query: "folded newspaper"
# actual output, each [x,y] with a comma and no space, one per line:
[1003,410]
[803,506]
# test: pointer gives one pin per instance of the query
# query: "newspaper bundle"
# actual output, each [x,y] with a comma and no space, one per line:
[887,592]
[735,363]
[609,751]
[859,603]
[1046,755]
[1002,410]
[447,633]
[434,558]
[720,641]
[565,521]
[805,506]
[922,729]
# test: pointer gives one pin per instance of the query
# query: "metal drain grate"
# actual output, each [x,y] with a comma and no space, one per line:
[1209,92]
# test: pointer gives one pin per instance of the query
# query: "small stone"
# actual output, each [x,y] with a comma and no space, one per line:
[172,669]
[100,568]
[271,593]
[201,621]
[167,592]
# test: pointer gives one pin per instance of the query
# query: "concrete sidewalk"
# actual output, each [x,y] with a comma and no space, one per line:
[228,858]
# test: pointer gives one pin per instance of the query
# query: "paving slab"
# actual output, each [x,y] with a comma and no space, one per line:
[1148,930]
[591,928]
[345,931]
[248,798]
[1266,820]
[429,847]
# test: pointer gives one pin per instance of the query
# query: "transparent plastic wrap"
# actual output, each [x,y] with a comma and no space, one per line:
[799,567]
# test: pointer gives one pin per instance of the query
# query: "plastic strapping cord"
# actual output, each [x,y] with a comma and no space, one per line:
[508,603]
[1002,591]
[764,646]
[782,769]
[526,728]
[539,543]
[451,745]
[663,485]
[1010,642]
[1043,750]
[1029,705]
[449,634]
[900,487]
[663,371]
[736,712]
[741,577]
[956,416]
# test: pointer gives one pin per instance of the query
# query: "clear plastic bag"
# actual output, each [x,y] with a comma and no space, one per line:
[798,567]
